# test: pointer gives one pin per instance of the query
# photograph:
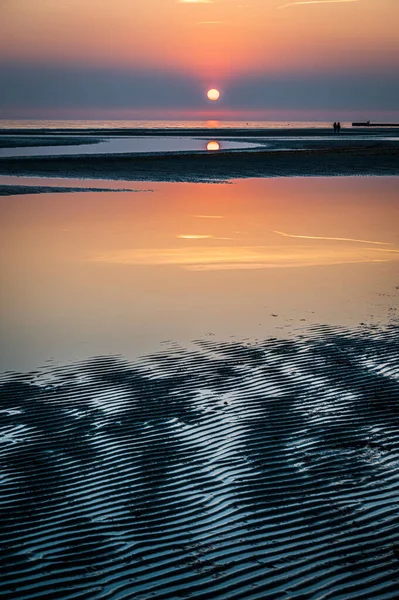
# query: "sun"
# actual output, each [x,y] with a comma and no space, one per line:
[213,94]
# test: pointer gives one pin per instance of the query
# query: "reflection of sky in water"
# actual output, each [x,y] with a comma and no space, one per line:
[154,144]
[94,273]
[141,144]
[246,257]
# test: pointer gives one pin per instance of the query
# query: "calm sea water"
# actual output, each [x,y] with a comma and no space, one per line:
[134,124]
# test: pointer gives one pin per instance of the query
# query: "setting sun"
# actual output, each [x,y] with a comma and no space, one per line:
[213,94]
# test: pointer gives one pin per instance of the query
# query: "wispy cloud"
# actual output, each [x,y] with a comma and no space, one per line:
[207,216]
[337,239]
[288,265]
[387,250]
[206,258]
[315,2]
[195,236]
[195,1]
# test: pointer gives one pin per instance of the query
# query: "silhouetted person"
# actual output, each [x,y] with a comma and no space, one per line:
[338,127]
[335,127]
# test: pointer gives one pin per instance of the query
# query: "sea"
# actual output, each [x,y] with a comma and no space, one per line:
[162,124]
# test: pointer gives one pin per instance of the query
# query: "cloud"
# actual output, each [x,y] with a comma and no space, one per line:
[206,258]
[195,236]
[315,2]
[338,239]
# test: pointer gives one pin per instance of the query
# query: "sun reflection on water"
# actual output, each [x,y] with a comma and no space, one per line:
[213,145]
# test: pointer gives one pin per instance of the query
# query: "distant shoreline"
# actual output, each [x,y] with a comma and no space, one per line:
[201,131]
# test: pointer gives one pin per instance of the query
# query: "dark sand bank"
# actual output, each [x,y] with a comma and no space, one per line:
[227,471]
[203,132]
[17,190]
[29,141]
[378,158]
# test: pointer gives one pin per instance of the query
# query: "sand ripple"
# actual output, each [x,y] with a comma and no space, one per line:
[229,471]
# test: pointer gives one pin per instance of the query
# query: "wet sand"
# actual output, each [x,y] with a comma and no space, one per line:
[290,152]
[232,470]
[372,158]
[204,132]
[17,190]
[28,141]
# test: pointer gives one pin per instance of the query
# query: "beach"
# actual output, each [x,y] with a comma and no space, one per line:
[378,160]
[199,305]
[299,157]
[227,471]
[199,387]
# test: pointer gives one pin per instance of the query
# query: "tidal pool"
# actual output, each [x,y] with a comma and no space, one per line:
[88,274]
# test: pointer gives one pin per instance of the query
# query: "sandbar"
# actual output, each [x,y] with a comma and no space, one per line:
[378,159]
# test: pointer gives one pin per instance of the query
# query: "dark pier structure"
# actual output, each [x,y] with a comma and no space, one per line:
[368,124]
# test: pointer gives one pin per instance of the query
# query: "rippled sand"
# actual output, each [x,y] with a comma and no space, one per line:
[231,470]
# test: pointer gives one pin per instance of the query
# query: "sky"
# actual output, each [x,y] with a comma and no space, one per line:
[270,59]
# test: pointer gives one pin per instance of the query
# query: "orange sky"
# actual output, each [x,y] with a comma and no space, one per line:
[213,42]
[207,38]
